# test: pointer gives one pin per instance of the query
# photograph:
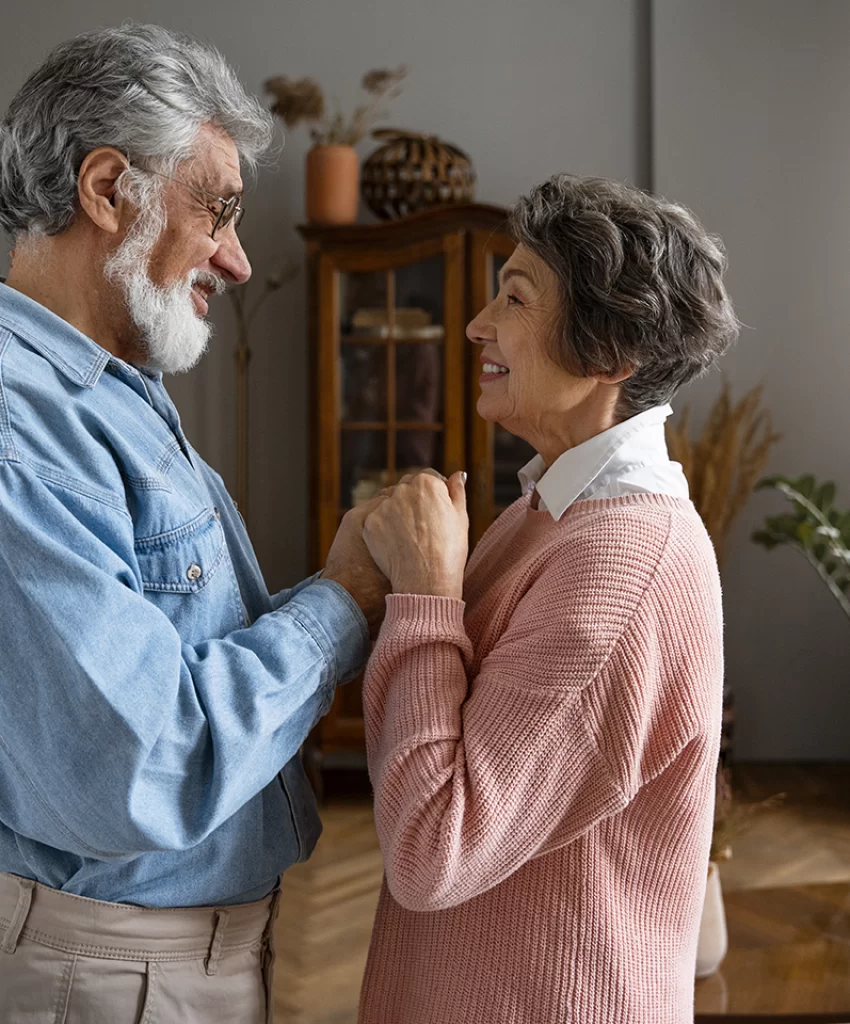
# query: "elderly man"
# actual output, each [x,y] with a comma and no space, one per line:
[153,695]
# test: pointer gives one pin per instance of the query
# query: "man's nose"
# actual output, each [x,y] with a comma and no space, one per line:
[230,258]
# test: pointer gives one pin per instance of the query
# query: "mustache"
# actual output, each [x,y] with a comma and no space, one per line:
[212,282]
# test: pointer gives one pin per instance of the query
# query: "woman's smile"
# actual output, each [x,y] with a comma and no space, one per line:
[492,371]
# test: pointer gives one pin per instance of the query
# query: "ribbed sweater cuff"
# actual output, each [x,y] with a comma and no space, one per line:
[416,661]
[425,617]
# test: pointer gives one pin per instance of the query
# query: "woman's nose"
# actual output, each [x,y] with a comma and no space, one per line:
[480,331]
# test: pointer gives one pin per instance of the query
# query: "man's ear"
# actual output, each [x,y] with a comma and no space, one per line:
[96,187]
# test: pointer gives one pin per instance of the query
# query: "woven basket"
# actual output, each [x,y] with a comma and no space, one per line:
[411,172]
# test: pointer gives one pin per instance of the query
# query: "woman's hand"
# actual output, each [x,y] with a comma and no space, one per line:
[418,535]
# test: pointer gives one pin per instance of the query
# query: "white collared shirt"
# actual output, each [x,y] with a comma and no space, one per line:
[630,458]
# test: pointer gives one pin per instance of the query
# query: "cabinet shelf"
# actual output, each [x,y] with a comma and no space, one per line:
[383,425]
[396,339]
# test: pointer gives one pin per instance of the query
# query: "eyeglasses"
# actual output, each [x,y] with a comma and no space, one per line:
[228,210]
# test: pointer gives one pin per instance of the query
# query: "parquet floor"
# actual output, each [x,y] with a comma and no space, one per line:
[328,904]
[325,920]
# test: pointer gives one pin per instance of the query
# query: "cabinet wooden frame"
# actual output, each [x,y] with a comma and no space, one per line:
[467,238]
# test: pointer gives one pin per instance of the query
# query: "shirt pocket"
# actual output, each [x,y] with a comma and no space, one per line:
[187,573]
[183,560]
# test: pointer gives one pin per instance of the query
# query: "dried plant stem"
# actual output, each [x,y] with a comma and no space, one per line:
[725,461]
[244,316]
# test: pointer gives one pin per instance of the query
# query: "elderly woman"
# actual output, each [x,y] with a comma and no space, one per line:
[543,729]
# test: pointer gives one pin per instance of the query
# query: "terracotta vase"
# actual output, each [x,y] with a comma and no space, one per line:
[332,182]
[713,940]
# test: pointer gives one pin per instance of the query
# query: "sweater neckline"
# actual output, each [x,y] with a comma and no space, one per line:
[587,505]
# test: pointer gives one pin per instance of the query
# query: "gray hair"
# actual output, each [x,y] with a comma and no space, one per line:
[641,285]
[140,88]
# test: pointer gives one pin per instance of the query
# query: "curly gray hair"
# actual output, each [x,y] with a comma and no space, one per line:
[641,285]
[140,88]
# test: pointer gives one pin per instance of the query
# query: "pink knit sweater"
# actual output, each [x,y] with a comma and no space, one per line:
[543,760]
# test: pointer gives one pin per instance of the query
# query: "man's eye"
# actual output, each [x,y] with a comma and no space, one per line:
[513,301]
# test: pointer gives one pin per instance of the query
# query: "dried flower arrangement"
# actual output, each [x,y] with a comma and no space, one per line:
[303,101]
[733,816]
[723,464]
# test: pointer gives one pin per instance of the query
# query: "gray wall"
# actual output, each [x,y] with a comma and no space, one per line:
[752,130]
[525,90]
[747,107]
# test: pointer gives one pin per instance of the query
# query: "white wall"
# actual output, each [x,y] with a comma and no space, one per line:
[750,128]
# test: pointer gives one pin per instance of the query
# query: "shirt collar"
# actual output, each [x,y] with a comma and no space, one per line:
[574,472]
[79,358]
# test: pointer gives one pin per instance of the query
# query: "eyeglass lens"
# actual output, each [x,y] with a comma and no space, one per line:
[230,211]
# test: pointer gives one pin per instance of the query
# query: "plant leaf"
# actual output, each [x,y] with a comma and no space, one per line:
[767,540]
[825,495]
[805,533]
[806,485]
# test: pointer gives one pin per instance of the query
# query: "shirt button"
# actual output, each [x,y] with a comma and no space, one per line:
[194,571]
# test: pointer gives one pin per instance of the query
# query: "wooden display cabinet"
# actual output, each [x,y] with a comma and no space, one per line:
[395,384]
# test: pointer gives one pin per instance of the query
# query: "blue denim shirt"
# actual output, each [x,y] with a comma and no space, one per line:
[153,695]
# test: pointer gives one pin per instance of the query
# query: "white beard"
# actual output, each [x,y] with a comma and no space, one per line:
[172,335]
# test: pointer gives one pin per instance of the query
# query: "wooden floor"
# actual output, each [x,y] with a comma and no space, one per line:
[325,920]
[328,904]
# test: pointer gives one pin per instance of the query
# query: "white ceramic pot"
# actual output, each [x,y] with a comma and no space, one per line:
[713,940]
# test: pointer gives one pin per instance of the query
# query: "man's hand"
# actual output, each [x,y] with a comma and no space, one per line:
[418,535]
[351,566]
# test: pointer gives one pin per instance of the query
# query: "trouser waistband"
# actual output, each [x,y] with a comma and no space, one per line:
[122,932]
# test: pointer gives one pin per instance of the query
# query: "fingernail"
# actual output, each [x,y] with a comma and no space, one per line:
[463,477]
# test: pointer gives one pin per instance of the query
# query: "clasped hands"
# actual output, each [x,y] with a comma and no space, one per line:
[410,539]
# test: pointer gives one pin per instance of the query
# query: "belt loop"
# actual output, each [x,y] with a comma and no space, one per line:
[211,962]
[274,909]
[148,1010]
[269,955]
[19,915]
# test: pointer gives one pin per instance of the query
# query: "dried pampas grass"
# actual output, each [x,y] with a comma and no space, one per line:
[732,817]
[725,461]
[303,101]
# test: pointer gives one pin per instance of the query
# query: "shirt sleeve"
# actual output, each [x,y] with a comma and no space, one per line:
[115,736]
[280,599]
[478,770]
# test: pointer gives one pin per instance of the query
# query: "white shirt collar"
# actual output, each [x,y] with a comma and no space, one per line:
[629,458]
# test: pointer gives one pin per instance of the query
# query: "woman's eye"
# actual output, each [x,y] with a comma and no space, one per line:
[513,301]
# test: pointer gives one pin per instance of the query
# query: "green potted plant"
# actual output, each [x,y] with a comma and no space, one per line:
[814,528]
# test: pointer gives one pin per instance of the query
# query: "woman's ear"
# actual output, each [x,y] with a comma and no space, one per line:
[614,378]
[97,187]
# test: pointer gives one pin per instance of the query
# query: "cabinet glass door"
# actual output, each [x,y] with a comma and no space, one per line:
[392,375]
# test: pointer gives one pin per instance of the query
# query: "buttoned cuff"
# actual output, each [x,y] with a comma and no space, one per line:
[339,624]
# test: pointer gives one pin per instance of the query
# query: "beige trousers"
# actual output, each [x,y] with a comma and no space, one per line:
[69,960]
